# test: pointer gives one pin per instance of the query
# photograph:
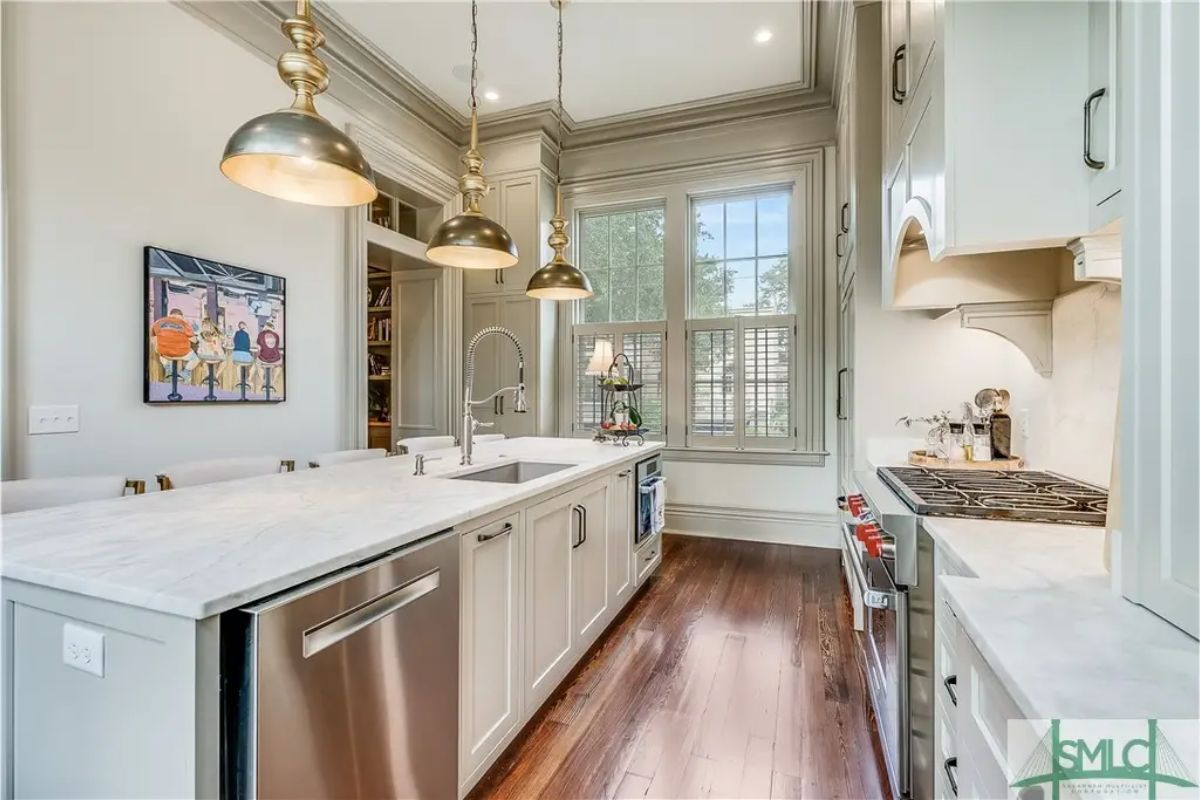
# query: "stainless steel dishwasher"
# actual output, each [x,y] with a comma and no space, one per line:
[347,687]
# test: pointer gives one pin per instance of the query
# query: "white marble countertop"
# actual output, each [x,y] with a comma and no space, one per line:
[199,551]
[1043,614]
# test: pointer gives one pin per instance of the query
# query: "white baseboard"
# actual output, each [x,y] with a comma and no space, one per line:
[754,525]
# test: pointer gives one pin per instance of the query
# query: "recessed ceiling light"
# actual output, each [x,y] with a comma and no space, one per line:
[763,35]
[491,94]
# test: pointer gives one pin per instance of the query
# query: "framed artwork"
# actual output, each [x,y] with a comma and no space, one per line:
[214,333]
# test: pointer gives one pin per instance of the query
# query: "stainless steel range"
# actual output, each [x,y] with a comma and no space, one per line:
[1026,496]
[889,564]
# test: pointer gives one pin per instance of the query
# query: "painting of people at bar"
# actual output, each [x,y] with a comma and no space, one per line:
[214,332]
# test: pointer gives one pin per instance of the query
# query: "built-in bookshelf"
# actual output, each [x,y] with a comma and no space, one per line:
[379,356]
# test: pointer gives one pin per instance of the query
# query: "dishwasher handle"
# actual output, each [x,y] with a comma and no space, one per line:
[349,622]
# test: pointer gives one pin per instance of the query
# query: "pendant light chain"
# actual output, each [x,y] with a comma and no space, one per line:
[560,82]
[474,52]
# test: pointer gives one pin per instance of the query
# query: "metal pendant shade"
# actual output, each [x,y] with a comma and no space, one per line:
[559,279]
[296,154]
[471,240]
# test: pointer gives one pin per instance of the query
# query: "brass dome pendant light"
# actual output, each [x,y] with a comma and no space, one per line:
[471,240]
[295,153]
[559,279]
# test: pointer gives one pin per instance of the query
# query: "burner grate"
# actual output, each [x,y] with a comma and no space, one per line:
[1033,496]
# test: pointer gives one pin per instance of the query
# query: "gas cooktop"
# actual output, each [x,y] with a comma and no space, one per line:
[1026,496]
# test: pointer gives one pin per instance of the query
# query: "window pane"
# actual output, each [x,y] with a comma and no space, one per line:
[624,294]
[593,243]
[766,359]
[773,290]
[773,225]
[650,237]
[712,375]
[650,294]
[645,352]
[739,228]
[709,232]
[728,235]
[595,309]
[589,400]
[708,289]
[616,252]
[624,239]
[739,287]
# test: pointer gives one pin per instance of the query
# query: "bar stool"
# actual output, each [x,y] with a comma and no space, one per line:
[419,444]
[195,473]
[266,367]
[34,493]
[174,396]
[211,362]
[347,457]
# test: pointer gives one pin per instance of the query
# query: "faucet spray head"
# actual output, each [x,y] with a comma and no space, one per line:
[520,405]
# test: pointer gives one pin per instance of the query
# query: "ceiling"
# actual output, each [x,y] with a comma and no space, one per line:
[620,57]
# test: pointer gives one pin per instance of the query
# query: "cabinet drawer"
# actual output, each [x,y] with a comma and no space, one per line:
[984,712]
[648,556]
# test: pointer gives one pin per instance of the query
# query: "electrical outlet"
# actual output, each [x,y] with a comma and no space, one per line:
[53,419]
[83,649]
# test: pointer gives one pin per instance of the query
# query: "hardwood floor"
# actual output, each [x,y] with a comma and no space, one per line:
[733,674]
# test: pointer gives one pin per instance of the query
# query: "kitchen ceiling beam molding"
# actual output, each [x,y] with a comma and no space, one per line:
[559,279]
[294,153]
[471,240]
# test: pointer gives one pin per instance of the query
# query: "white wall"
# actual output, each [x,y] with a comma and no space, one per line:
[116,117]
[911,364]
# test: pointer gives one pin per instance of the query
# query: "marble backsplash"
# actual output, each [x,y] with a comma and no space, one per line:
[1081,403]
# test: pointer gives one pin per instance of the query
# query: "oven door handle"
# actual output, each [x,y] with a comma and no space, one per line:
[882,599]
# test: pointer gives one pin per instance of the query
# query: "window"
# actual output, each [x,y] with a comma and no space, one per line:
[643,345]
[714,293]
[741,340]
[740,259]
[621,252]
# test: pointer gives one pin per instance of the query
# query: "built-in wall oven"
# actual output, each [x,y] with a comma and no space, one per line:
[892,562]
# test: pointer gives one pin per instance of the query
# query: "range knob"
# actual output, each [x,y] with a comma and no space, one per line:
[856,504]
[875,545]
[865,529]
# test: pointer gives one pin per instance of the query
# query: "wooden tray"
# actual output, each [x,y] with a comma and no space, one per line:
[918,458]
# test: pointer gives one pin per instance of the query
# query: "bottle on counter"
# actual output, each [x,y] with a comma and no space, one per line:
[983,442]
[1001,435]
[954,443]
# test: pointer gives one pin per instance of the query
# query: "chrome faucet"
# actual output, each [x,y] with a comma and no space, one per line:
[469,423]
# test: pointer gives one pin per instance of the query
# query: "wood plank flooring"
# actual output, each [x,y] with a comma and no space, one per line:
[733,674]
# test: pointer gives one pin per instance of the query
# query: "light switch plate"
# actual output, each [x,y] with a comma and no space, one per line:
[53,419]
[83,649]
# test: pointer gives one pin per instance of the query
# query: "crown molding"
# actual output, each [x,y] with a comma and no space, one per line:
[363,76]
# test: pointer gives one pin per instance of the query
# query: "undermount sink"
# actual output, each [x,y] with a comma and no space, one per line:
[516,472]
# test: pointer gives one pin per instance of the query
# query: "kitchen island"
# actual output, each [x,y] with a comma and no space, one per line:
[153,575]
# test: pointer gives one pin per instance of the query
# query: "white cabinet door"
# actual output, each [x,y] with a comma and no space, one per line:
[489,694]
[895,57]
[1103,141]
[923,24]
[1160,330]
[550,531]
[519,201]
[620,539]
[590,568]
[845,385]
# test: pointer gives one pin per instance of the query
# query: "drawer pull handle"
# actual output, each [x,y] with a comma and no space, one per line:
[950,682]
[487,537]
[624,474]
[951,767]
